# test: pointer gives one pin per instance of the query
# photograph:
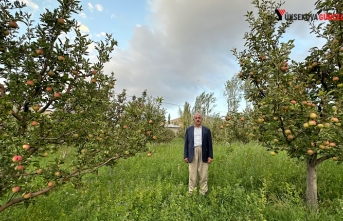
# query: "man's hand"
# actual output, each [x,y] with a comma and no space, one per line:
[186,160]
[209,160]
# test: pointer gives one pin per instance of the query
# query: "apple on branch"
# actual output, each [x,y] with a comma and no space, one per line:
[16,158]
[26,146]
[51,73]
[13,24]
[28,195]
[16,189]
[20,167]
[60,21]
[57,95]
[30,83]
[39,51]
[48,89]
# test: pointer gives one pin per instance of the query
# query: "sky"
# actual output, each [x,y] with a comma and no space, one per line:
[176,49]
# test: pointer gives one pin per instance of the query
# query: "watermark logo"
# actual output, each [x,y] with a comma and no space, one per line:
[281,13]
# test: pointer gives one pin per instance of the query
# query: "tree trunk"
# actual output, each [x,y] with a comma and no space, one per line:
[311,185]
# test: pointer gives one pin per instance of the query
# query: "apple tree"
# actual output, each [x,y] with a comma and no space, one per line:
[297,105]
[59,118]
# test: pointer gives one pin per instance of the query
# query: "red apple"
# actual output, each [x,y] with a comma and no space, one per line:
[57,95]
[39,171]
[293,102]
[332,144]
[334,158]
[334,119]
[16,158]
[287,131]
[39,51]
[260,120]
[321,146]
[13,24]
[48,89]
[154,137]
[28,195]
[93,72]
[312,123]
[26,146]
[51,184]
[150,121]
[326,142]
[335,78]
[60,58]
[34,123]
[284,68]
[75,72]
[30,82]
[20,167]
[57,173]
[15,189]
[6,32]
[93,80]
[60,21]
[36,107]
[313,115]
[309,152]
[290,137]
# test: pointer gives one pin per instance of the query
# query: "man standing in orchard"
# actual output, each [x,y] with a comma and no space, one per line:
[198,153]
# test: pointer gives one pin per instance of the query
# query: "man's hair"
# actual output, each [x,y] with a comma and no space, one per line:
[196,114]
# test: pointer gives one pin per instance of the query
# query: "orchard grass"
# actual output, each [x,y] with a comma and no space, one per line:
[245,183]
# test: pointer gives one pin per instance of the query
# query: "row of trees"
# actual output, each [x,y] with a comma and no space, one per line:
[59,115]
[296,105]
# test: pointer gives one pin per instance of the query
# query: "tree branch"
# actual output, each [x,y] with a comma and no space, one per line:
[2,90]
[20,199]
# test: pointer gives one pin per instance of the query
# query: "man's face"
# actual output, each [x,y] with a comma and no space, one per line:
[197,119]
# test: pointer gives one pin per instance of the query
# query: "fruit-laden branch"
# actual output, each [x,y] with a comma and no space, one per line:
[2,90]
[16,116]
[47,105]
[60,137]
[323,158]
[86,170]
[20,199]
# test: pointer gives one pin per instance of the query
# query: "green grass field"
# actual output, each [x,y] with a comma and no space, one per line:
[245,183]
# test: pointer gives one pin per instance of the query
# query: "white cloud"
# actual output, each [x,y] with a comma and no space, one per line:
[98,7]
[113,16]
[90,6]
[187,49]
[31,4]
[83,15]
[83,28]
[101,34]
